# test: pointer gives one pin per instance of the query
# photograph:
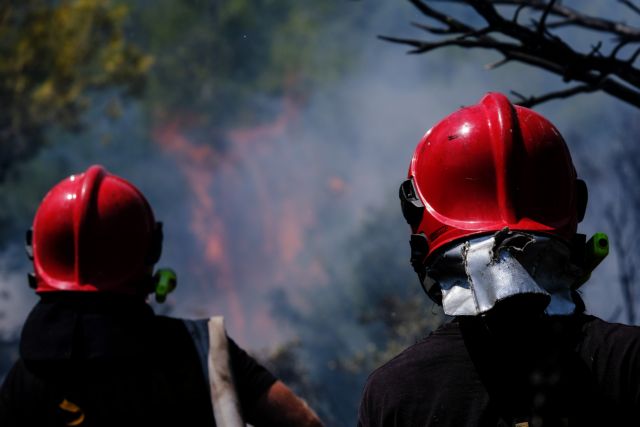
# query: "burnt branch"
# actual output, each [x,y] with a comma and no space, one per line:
[535,45]
[529,101]
[633,57]
[631,6]
[545,14]
[517,12]
[573,17]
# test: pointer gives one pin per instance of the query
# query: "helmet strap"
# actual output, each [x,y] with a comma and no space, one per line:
[28,247]
[156,244]
[419,250]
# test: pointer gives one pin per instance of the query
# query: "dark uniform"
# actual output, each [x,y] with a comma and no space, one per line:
[107,360]
[556,371]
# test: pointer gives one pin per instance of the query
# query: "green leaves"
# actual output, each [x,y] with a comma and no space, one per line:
[52,57]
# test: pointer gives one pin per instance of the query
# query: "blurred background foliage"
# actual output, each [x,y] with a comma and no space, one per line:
[52,56]
[327,117]
[213,58]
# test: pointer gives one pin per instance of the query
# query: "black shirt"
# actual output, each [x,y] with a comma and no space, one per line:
[555,371]
[94,360]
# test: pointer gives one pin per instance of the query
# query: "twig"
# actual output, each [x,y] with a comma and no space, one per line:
[595,50]
[496,64]
[590,22]
[535,46]
[616,49]
[561,94]
[432,13]
[517,13]
[630,5]
[633,57]
[545,14]
[433,30]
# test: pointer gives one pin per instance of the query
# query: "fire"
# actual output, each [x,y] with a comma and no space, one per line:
[266,132]
[240,188]
[337,185]
[196,161]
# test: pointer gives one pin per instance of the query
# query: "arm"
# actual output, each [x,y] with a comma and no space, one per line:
[267,401]
[279,406]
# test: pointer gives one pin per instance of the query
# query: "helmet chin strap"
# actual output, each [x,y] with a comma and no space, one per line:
[476,275]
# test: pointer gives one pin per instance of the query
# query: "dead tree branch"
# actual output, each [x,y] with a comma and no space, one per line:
[537,46]
[561,94]
[630,5]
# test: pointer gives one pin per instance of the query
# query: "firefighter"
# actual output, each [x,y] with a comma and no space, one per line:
[493,202]
[92,351]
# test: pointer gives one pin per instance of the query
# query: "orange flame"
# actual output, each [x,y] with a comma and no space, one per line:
[282,221]
[196,161]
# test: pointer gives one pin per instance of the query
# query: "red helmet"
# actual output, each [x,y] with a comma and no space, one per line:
[486,167]
[94,232]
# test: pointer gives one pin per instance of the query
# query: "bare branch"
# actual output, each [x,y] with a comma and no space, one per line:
[447,20]
[545,14]
[595,50]
[517,13]
[536,46]
[630,5]
[496,64]
[616,49]
[433,30]
[561,94]
[589,22]
[411,42]
[633,57]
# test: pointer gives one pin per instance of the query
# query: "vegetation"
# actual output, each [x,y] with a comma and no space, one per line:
[221,64]
[52,56]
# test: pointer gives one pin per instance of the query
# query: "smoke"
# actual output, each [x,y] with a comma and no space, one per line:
[13,305]
[273,223]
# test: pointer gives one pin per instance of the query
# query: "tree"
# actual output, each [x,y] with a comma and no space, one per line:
[241,55]
[53,55]
[535,44]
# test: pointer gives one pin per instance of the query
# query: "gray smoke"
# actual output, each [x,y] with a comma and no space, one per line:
[293,206]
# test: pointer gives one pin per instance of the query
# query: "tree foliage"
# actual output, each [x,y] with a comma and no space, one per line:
[52,56]
[223,63]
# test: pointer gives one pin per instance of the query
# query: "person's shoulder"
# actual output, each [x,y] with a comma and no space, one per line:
[417,359]
[609,330]
[171,332]
[600,334]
